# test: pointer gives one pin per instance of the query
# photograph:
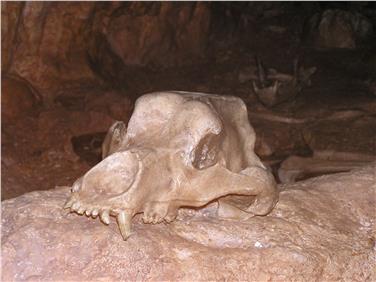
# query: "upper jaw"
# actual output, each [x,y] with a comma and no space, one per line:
[123,215]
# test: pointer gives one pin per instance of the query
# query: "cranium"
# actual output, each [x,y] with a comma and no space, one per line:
[180,149]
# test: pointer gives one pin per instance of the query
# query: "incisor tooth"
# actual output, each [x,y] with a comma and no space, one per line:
[81,210]
[94,213]
[105,216]
[124,221]
[88,211]
[75,206]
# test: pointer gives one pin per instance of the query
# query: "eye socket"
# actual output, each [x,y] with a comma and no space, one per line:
[205,153]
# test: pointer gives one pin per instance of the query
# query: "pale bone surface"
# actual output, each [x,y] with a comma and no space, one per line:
[180,149]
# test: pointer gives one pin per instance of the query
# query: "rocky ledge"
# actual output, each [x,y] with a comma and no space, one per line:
[322,229]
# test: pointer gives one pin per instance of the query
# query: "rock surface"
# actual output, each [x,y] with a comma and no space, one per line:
[336,28]
[322,229]
[161,34]
[346,135]
[44,144]
[45,43]
[17,99]
[57,46]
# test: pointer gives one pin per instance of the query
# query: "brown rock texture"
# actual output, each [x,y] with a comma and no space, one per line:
[158,33]
[322,229]
[113,103]
[347,135]
[336,28]
[45,43]
[38,152]
[17,98]
[57,45]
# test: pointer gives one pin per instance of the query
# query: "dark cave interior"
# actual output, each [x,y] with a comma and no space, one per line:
[189,200]
[70,69]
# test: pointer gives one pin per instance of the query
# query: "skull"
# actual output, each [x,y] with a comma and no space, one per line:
[180,149]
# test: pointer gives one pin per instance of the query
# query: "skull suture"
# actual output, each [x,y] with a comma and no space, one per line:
[180,149]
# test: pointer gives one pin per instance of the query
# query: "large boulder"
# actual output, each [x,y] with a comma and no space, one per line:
[322,229]
[336,28]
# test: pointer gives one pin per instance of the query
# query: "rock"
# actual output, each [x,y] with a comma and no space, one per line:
[297,168]
[10,15]
[17,99]
[371,85]
[113,103]
[63,125]
[248,73]
[49,44]
[322,229]
[343,135]
[45,143]
[159,33]
[336,28]
[276,138]
[276,29]
[58,46]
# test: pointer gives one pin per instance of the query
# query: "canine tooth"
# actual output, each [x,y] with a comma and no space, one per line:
[105,216]
[94,213]
[69,203]
[124,222]
[75,206]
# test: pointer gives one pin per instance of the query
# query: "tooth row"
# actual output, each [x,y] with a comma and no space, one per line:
[124,220]
[76,206]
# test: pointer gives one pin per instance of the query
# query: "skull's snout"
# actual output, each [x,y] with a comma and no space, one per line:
[96,193]
[111,177]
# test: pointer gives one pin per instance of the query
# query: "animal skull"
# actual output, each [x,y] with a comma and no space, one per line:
[180,149]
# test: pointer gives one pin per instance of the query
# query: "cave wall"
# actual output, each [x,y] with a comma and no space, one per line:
[45,43]
[63,45]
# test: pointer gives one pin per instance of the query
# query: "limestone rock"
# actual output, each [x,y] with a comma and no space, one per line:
[17,98]
[346,135]
[10,19]
[335,28]
[322,229]
[276,139]
[48,43]
[39,152]
[62,45]
[158,33]
[62,125]
[113,103]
